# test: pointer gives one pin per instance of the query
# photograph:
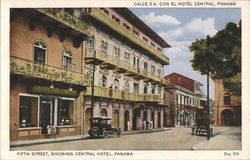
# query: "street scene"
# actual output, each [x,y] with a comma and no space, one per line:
[125,79]
[228,138]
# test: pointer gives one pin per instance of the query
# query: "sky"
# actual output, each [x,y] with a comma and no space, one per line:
[179,27]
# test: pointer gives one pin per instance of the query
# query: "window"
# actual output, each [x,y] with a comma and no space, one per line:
[126,26]
[152,44]
[105,11]
[145,66]
[227,99]
[115,19]
[145,90]
[67,60]
[159,72]
[153,69]
[134,62]
[126,86]
[104,81]
[116,83]
[159,49]
[153,90]
[40,51]
[28,111]
[145,39]
[136,88]
[65,112]
[104,113]
[127,56]
[90,43]
[116,53]
[136,32]
[104,47]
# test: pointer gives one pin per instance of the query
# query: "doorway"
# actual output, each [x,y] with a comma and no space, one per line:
[45,114]
[126,120]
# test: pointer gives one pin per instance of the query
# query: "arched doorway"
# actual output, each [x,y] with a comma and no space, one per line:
[227,117]
[87,116]
[145,115]
[116,118]
[136,114]
[126,120]
[153,118]
[104,113]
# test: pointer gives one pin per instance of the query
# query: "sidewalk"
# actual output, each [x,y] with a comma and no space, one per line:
[20,143]
[228,140]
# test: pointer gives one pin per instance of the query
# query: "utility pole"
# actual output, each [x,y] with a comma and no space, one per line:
[93,86]
[208,107]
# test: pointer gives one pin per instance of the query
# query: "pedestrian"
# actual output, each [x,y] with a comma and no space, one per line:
[193,126]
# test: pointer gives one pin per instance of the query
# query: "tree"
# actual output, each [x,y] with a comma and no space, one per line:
[220,56]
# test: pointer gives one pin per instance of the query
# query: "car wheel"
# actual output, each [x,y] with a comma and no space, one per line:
[94,132]
[105,133]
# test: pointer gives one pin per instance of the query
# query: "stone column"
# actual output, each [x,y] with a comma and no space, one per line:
[130,118]
[156,117]
[121,116]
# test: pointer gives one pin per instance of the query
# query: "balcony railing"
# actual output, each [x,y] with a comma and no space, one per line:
[43,71]
[97,14]
[66,18]
[123,95]
[70,66]
[121,64]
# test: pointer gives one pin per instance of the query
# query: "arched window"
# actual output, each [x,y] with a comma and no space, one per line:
[145,90]
[91,43]
[104,81]
[67,60]
[116,83]
[104,113]
[227,99]
[126,86]
[40,49]
[104,46]
[153,90]
[116,53]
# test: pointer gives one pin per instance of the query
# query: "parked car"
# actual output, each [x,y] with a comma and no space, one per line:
[101,126]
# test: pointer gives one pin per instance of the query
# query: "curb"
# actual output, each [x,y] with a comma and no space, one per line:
[47,141]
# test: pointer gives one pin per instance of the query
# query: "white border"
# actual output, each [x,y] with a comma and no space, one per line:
[5,80]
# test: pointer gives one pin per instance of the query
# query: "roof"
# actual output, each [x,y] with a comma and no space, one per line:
[131,17]
[174,73]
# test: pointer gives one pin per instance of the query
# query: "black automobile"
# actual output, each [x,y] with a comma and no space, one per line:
[101,126]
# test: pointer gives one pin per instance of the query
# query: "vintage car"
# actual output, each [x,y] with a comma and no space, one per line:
[100,126]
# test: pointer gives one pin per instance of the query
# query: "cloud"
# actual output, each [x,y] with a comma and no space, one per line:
[157,20]
[196,28]
[205,27]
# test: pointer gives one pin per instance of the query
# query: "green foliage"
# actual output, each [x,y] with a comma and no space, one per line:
[233,84]
[220,55]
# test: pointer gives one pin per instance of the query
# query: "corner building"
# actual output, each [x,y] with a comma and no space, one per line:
[127,59]
[47,78]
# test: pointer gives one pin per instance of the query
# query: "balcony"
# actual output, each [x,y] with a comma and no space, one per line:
[43,71]
[66,19]
[120,66]
[108,21]
[123,95]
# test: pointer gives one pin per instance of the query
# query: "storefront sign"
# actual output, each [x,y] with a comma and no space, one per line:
[21,66]
[53,91]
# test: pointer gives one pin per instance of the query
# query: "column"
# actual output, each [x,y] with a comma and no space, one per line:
[121,116]
[162,118]
[156,117]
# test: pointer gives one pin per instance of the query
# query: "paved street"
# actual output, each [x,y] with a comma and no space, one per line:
[174,139]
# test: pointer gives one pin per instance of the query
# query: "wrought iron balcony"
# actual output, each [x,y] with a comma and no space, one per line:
[119,65]
[108,21]
[43,71]
[66,18]
[123,95]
